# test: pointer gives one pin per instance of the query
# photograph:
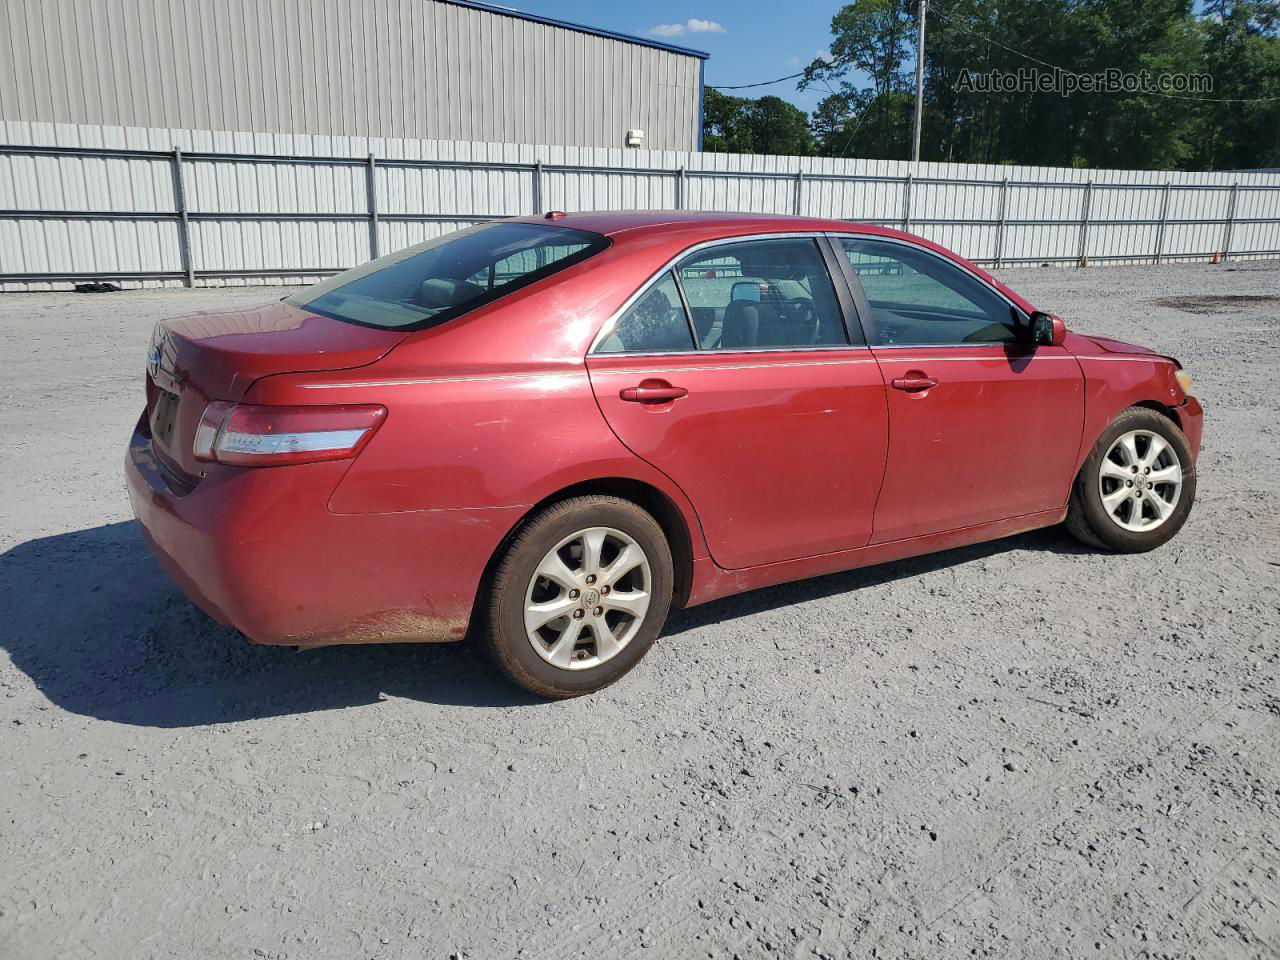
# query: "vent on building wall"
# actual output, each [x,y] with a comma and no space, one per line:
[635,138]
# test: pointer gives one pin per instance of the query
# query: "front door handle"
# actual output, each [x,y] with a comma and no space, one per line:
[652,391]
[913,384]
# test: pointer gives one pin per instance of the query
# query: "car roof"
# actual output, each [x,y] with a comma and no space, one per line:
[636,223]
[675,230]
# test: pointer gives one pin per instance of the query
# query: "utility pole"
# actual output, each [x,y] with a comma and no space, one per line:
[915,136]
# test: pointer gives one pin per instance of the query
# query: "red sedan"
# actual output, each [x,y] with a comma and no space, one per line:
[550,430]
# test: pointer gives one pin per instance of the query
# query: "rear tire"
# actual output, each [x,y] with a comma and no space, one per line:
[579,596]
[1136,487]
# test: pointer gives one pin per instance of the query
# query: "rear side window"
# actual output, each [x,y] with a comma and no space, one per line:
[655,323]
[428,284]
[762,294]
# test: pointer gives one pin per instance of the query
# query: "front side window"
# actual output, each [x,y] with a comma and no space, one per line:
[428,284]
[656,323]
[918,299]
[762,294]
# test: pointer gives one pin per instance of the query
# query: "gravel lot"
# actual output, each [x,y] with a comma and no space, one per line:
[1021,749]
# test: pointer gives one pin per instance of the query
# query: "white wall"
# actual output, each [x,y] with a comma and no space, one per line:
[346,67]
[957,205]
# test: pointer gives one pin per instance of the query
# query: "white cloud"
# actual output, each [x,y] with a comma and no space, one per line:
[692,25]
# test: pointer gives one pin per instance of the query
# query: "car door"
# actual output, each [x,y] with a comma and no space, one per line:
[983,425]
[734,372]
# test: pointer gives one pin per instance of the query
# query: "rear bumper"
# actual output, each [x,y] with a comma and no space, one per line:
[259,550]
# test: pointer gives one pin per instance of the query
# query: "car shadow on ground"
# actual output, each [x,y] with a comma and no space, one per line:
[102,632]
[1051,540]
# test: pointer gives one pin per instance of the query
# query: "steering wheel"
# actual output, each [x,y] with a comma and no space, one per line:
[801,312]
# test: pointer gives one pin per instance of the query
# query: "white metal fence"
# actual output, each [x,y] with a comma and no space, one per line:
[155,207]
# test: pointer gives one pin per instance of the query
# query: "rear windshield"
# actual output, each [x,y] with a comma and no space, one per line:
[427,284]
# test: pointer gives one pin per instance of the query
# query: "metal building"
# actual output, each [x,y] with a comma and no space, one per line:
[430,69]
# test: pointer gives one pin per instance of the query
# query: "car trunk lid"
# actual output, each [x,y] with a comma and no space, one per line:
[217,356]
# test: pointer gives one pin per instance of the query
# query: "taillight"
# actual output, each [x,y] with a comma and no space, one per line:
[249,435]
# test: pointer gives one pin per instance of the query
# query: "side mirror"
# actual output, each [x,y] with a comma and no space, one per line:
[1047,330]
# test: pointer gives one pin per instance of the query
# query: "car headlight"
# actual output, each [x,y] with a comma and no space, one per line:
[1184,380]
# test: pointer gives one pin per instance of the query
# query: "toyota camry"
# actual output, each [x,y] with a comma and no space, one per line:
[548,431]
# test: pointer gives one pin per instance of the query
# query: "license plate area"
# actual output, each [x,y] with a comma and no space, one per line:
[164,417]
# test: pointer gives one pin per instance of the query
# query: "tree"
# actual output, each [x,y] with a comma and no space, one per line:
[871,37]
[780,128]
[726,126]
[870,82]
[831,116]
[1135,129]
[741,125]
[865,125]
[1242,53]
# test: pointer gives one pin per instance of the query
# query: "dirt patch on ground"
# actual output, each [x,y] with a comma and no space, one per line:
[1023,749]
[1218,303]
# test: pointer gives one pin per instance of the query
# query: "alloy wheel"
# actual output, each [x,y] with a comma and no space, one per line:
[1140,480]
[587,598]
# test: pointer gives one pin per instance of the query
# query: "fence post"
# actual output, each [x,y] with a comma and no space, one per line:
[537,186]
[370,186]
[184,222]
[1164,219]
[799,197]
[1231,223]
[680,184]
[1084,221]
[1004,200]
[906,205]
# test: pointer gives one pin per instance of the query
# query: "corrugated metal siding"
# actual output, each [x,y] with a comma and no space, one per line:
[384,68]
[957,205]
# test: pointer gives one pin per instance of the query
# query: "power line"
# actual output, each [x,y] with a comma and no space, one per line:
[762,83]
[766,83]
[856,127]
[1053,66]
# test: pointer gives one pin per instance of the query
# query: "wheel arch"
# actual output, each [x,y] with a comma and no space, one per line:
[1158,407]
[1090,437]
[645,495]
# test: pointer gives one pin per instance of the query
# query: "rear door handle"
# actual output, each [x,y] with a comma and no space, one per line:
[650,392]
[913,384]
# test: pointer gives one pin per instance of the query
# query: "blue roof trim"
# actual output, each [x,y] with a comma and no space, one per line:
[580,28]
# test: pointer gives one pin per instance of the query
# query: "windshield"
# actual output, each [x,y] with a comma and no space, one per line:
[427,284]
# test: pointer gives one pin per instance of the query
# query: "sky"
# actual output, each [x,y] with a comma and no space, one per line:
[749,40]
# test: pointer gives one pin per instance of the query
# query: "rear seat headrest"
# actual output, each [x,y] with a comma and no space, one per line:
[441,292]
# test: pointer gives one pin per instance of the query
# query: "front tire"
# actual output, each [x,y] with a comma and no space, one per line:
[579,596]
[1137,485]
